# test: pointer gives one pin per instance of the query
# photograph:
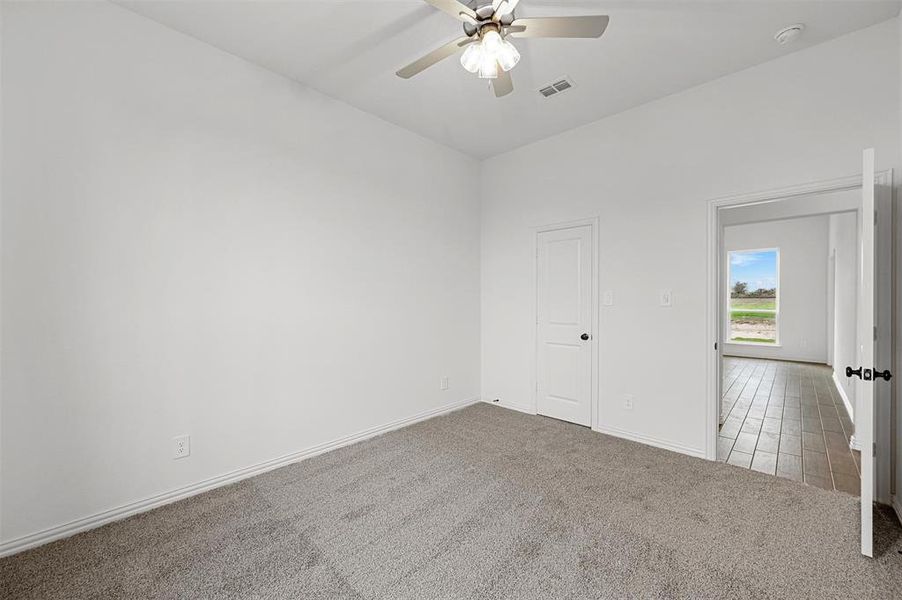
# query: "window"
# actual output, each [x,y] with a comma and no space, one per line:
[754,301]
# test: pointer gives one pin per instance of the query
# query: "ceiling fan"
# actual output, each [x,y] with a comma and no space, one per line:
[487,24]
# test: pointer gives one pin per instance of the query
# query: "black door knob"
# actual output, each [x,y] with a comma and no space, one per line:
[885,375]
[584,337]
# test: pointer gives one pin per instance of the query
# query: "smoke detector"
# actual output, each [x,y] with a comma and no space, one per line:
[787,35]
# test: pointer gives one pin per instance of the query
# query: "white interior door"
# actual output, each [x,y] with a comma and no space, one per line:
[563,324]
[864,393]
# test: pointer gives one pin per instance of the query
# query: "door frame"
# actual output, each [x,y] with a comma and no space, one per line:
[593,224]
[715,267]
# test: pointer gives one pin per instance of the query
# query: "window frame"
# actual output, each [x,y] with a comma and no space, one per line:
[776,311]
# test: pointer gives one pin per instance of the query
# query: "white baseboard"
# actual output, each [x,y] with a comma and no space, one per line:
[513,406]
[845,399]
[897,506]
[650,441]
[801,359]
[126,510]
[620,433]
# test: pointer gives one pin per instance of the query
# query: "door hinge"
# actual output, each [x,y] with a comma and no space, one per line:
[875,333]
[874,445]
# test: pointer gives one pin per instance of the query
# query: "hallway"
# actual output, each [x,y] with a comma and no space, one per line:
[787,419]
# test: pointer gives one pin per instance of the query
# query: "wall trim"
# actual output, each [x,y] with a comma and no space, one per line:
[897,506]
[51,534]
[850,410]
[523,408]
[618,433]
[651,441]
[790,358]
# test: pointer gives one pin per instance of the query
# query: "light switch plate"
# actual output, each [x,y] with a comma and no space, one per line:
[607,298]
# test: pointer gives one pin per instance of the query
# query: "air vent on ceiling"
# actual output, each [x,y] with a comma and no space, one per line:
[557,87]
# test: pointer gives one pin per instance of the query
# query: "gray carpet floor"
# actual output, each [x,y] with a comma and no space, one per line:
[482,503]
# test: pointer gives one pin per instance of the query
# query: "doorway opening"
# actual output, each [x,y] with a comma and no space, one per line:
[794,303]
[789,284]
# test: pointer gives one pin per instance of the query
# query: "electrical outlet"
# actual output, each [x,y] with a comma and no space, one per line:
[181,446]
[444,383]
[608,298]
[628,400]
[666,298]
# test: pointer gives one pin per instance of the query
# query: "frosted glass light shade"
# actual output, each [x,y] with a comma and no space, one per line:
[472,57]
[492,42]
[488,67]
[508,56]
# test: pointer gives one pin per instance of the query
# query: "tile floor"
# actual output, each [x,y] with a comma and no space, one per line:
[787,419]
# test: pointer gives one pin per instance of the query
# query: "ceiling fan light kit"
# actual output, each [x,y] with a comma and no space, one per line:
[489,53]
[487,24]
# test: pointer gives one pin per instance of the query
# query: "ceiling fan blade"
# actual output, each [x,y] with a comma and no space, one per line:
[590,26]
[433,57]
[455,9]
[502,8]
[503,84]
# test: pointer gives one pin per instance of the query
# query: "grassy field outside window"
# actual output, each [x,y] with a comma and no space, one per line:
[753,296]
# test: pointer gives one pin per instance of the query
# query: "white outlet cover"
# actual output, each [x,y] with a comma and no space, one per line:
[444,383]
[628,401]
[666,298]
[607,298]
[181,446]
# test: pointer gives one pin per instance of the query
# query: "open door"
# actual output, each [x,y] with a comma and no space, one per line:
[864,393]
[869,371]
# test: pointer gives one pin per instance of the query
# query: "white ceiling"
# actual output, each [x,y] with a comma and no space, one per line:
[350,50]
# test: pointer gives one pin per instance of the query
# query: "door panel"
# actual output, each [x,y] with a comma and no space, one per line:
[563,281]
[564,298]
[563,363]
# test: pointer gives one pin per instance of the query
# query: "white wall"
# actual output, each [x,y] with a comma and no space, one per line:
[802,288]
[843,246]
[191,244]
[648,173]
